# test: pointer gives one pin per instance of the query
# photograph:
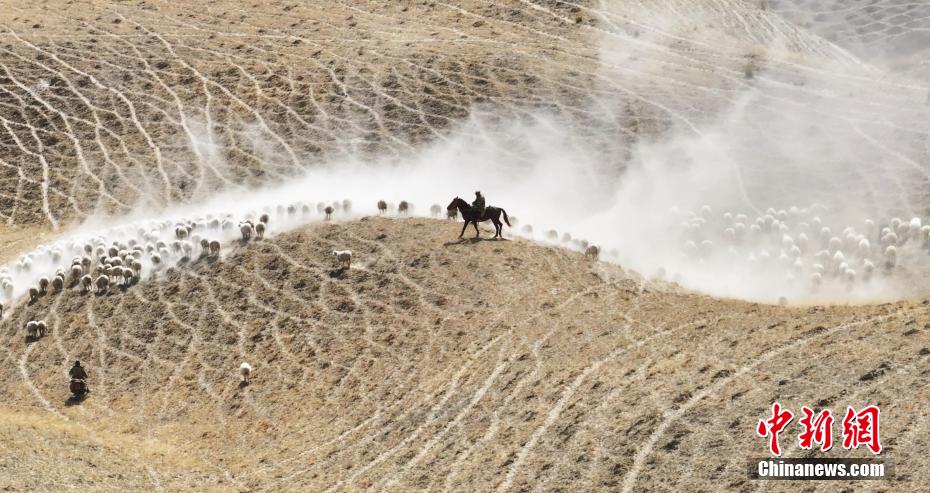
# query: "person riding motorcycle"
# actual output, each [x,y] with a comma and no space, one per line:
[478,205]
[78,377]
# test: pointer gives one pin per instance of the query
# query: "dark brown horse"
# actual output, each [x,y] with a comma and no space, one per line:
[490,213]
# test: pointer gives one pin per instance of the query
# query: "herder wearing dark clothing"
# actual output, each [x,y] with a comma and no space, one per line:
[78,378]
[478,205]
[77,372]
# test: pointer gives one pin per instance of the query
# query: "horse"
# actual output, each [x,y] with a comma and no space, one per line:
[490,213]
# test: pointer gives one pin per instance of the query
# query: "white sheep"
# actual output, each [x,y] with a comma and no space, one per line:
[245,371]
[347,206]
[891,257]
[816,279]
[32,329]
[86,282]
[187,248]
[864,247]
[435,210]
[344,257]
[103,284]
[246,230]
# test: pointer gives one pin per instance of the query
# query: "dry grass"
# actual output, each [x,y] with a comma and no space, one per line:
[433,364]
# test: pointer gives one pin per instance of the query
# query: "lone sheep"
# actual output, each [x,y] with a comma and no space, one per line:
[592,252]
[382,207]
[329,211]
[403,207]
[344,257]
[245,371]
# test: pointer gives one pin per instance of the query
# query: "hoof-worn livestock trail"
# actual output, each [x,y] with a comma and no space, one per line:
[433,364]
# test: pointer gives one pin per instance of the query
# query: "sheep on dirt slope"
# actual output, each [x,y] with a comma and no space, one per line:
[592,252]
[102,283]
[246,230]
[344,257]
[32,329]
[329,211]
[382,207]
[86,282]
[43,285]
[245,371]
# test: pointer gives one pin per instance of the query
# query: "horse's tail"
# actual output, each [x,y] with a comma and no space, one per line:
[506,219]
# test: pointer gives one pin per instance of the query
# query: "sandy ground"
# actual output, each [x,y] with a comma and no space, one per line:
[434,364]
[431,364]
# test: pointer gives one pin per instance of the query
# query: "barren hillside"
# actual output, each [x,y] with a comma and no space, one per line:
[436,364]
[703,141]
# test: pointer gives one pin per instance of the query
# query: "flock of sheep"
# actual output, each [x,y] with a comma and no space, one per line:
[802,246]
[124,255]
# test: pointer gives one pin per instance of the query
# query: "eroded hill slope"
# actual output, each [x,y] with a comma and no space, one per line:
[436,364]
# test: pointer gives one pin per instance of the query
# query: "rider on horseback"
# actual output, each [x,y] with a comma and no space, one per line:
[77,371]
[478,205]
[78,378]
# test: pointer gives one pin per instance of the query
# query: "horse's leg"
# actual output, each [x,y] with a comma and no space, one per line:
[463,228]
[477,233]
